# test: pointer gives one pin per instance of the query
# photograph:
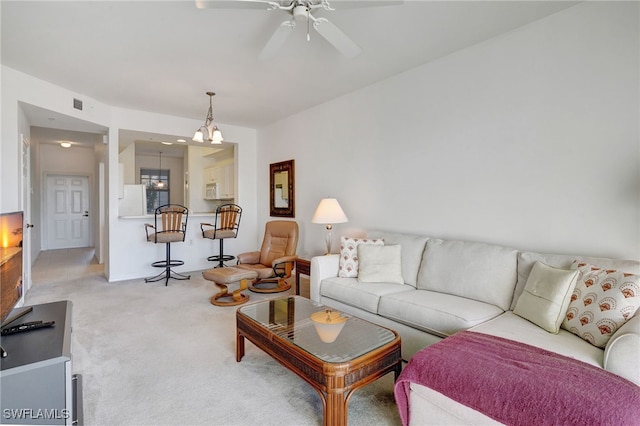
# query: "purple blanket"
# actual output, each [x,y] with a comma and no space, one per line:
[519,384]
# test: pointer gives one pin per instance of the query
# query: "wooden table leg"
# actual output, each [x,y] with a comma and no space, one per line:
[239,346]
[336,413]
[336,409]
[397,370]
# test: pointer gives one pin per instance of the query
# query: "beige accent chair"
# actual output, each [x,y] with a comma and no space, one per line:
[226,225]
[169,226]
[275,260]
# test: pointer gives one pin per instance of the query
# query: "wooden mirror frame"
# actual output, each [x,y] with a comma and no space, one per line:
[283,166]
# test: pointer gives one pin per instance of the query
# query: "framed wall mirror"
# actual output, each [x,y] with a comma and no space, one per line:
[282,189]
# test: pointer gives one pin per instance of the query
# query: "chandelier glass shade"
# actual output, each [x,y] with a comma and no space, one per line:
[209,131]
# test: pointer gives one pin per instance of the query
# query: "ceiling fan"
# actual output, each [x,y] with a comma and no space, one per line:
[300,11]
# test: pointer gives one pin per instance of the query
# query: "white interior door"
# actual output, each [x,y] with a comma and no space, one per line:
[26,208]
[67,211]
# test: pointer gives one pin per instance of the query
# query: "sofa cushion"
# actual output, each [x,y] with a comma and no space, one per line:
[546,296]
[602,301]
[511,326]
[436,313]
[360,295]
[348,265]
[379,264]
[527,259]
[478,271]
[412,251]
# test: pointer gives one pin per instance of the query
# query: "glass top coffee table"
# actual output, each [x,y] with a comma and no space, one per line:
[361,353]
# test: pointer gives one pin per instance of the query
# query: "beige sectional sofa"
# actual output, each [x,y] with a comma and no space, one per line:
[451,286]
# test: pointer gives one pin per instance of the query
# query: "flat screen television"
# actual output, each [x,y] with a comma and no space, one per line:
[11,261]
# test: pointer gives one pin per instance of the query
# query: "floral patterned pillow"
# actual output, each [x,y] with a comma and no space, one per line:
[348,265]
[602,301]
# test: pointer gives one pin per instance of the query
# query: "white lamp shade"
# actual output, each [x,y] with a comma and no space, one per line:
[217,136]
[329,211]
[198,136]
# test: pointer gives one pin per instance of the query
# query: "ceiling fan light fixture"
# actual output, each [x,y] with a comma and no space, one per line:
[301,13]
[209,130]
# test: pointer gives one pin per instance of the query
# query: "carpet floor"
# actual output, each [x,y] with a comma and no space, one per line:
[155,355]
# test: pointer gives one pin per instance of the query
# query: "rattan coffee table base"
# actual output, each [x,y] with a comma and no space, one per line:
[334,382]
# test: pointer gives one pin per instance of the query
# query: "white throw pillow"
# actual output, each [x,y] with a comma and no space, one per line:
[380,264]
[546,296]
[348,264]
[603,300]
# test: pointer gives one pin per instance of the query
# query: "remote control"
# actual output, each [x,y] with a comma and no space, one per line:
[27,326]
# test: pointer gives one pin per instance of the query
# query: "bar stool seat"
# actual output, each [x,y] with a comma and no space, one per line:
[222,277]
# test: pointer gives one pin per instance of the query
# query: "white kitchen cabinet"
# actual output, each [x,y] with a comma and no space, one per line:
[212,175]
[224,180]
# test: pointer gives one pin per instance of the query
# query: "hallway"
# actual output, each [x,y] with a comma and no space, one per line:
[65,265]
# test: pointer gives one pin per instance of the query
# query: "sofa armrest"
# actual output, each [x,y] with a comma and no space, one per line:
[322,267]
[621,352]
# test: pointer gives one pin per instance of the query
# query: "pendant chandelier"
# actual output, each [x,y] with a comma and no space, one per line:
[209,131]
[160,183]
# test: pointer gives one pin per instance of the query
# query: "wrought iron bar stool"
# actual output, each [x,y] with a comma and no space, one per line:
[226,225]
[170,226]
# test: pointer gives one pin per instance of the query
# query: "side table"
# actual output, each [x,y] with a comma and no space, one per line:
[303,266]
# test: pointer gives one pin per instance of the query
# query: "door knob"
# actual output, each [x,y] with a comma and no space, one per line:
[29,225]
[86,214]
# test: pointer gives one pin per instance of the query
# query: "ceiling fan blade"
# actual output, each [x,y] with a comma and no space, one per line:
[278,38]
[237,4]
[354,4]
[337,38]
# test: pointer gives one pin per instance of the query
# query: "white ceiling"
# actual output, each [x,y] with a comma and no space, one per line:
[162,56]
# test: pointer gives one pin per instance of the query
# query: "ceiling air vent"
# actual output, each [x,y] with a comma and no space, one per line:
[77,104]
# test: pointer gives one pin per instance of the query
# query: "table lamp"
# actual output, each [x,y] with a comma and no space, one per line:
[329,212]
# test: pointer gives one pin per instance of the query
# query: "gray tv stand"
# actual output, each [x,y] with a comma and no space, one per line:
[36,383]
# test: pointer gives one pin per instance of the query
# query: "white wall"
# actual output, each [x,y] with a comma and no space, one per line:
[128,254]
[55,159]
[530,140]
[127,160]
[198,162]
[18,87]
